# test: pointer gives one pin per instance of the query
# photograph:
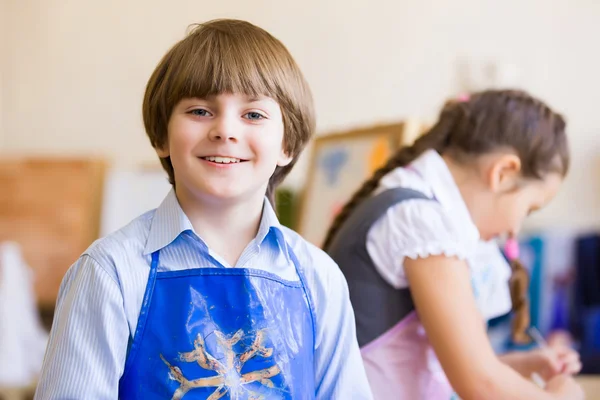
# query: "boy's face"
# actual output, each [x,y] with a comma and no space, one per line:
[225,147]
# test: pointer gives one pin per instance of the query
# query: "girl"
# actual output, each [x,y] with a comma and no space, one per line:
[409,233]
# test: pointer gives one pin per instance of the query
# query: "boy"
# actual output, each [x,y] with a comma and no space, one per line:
[208,296]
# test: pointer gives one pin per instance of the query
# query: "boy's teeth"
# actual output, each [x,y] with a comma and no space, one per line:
[223,160]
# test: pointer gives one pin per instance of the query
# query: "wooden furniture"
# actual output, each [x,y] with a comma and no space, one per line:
[590,385]
[51,208]
[25,393]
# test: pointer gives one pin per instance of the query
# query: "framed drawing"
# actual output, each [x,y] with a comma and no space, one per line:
[340,162]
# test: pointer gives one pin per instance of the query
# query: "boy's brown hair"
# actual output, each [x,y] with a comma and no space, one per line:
[230,56]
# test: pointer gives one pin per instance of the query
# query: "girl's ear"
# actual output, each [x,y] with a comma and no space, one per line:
[504,173]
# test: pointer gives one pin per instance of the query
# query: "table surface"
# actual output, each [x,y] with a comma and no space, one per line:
[591,386]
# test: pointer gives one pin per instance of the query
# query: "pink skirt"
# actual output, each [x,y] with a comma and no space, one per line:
[401,364]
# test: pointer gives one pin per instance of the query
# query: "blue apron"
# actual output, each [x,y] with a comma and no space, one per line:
[222,333]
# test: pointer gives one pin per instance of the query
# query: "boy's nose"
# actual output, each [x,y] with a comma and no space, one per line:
[224,129]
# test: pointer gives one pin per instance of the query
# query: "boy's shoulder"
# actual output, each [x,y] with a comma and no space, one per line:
[324,279]
[301,246]
[315,261]
[124,244]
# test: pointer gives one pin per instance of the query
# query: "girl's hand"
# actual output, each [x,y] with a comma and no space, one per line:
[551,361]
[569,359]
[546,362]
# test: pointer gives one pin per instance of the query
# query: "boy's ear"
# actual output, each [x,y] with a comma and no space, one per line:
[504,173]
[163,151]
[284,159]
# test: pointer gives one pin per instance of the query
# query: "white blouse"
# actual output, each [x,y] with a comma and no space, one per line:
[421,228]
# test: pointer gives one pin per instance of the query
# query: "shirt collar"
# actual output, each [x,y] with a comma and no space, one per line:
[269,223]
[170,221]
[433,169]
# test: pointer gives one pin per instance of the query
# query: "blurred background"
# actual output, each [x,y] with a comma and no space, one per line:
[75,163]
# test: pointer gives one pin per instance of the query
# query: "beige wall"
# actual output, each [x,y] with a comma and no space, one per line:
[3,60]
[74,72]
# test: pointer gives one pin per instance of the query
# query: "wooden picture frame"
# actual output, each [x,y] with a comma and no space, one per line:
[340,163]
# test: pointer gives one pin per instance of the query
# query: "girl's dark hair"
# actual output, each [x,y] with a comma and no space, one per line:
[487,121]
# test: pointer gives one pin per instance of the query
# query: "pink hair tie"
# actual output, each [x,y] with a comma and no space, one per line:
[463,98]
[511,249]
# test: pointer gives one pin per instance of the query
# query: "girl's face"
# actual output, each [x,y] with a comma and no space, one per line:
[499,198]
[508,209]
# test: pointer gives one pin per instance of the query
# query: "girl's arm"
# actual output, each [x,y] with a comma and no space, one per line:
[444,300]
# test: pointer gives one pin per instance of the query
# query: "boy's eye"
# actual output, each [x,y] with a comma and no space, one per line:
[253,115]
[200,112]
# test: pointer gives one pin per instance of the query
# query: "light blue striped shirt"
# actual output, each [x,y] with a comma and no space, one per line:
[101,296]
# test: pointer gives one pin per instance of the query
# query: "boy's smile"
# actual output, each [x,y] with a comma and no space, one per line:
[226,146]
[223,160]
